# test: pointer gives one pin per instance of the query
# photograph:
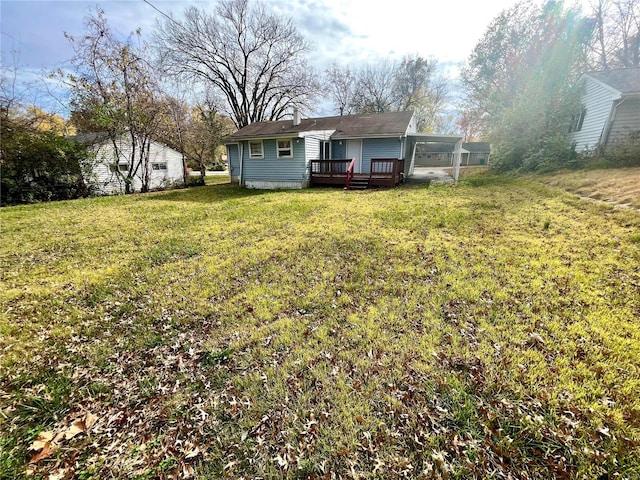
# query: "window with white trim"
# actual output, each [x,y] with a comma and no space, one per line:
[159,165]
[256,150]
[285,148]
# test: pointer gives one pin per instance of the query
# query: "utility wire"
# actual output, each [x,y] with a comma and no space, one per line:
[160,11]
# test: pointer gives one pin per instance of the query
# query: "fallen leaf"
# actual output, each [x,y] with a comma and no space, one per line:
[359,419]
[90,420]
[64,474]
[43,439]
[59,437]
[48,449]
[74,429]
[187,471]
[535,338]
[193,453]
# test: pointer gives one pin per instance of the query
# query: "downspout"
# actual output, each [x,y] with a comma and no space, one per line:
[241,152]
[604,139]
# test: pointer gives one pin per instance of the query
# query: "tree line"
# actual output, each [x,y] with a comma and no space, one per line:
[207,72]
[519,81]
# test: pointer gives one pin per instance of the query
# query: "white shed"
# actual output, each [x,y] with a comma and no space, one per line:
[164,169]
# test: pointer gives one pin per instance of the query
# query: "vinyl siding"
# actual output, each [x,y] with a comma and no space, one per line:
[107,182]
[626,121]
[379,148]
[597,101]
[312,148]
[273,169]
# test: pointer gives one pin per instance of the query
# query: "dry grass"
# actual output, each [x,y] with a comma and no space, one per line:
[619,186]
[480,330]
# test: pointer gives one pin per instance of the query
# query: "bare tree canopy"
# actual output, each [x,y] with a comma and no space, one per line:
[340,85]
[388,86]
[616,38]
[254,59]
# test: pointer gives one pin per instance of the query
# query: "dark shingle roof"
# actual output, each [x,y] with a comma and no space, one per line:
[89,139]
[471,147]
[374,124]
[626,80]
[477,147]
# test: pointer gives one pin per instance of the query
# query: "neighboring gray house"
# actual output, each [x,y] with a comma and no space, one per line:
[164,169]
[295,153]
[442,154]
[610,109]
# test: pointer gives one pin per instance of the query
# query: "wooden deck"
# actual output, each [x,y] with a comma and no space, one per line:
[385,172]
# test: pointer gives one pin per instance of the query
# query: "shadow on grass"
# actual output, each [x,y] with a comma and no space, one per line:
[208,193]
[226,191]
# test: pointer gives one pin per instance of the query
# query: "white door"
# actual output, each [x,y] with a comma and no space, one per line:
[354,150]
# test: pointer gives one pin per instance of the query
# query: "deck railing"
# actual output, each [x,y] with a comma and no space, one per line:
[333,171]
[384,172]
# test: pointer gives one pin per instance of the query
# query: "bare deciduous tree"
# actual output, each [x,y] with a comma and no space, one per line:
[254,59]
[419,87]
[413,84]
[616,37]
[375,89]
[341,86]
[115,85]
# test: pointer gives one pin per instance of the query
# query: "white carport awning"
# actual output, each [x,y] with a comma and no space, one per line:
[417,138]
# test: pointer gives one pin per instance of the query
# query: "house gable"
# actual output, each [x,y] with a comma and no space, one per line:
[597,103]
[610,108]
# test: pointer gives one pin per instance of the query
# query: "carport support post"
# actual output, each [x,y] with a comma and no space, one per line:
[413,159]
[456,160]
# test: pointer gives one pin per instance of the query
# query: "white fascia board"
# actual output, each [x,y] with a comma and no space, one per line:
[361,137]
[324,134]
[270,137]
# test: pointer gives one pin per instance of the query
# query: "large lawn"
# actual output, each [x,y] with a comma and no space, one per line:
[488,329]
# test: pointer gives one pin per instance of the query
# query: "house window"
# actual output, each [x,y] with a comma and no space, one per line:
[285,149]
[159,166]
[255,150]
[122,167]
[325,150]
[577,120]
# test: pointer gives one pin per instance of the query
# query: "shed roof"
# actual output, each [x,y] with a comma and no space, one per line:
[389,124]
[625,80]
[469,147]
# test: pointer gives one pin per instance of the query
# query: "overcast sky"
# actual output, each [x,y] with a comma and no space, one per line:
[348,31]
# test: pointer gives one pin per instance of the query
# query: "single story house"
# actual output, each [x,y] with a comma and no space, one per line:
[610,111]
[442,154]
[164,168]
[374,149]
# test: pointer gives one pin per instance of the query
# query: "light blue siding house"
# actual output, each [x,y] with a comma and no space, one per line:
[279,154]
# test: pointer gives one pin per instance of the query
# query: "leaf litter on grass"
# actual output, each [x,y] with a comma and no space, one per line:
[401,341]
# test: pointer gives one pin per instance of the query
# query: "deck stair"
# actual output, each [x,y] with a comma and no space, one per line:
[359,183]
